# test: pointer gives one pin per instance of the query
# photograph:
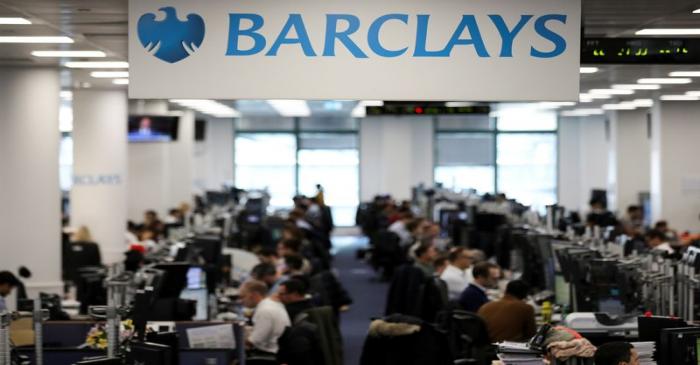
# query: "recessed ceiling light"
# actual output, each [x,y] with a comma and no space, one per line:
[85,54]
[619,106]
[588,70]
[14,21]
[685,74]
[35,39]
[210,107]
[97,64]
[610,92]
[642,103]
[665,81]
[693,93]
[636,87]
[120,81]
[696,11]
[109,74]
[581,112]
[594,96]
[679,98]
[669,31]
[555,104]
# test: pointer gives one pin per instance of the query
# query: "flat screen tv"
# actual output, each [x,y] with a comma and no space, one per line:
[153,128]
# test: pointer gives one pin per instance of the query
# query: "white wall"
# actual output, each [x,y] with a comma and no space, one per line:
[630,158]
[99,193]
[160,175]
[583,160]
[675,186]
[30,213]
[396,153]
[213,157]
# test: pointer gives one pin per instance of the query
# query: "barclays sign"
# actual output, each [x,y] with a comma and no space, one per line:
[485,50]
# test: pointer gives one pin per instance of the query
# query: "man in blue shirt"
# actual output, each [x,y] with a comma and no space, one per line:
[486,276]
[8,281]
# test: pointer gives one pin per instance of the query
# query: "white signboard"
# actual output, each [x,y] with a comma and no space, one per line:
[464,50]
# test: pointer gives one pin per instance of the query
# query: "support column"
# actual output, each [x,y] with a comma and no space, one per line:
[30,213]
[629,158]
[675,171]
[99,194]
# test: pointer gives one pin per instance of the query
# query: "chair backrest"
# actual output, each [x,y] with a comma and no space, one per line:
[466,331]
[329,334]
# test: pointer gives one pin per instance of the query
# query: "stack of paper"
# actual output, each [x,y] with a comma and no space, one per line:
[515,353]
[645,350]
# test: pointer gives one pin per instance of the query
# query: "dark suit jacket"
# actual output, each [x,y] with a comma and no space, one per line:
[472,298]
[509,319]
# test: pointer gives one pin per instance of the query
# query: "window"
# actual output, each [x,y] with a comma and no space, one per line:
[514,152]
[65,162]
[313,152]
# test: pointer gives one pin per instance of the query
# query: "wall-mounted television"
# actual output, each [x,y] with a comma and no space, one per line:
[153,128]
[200,130]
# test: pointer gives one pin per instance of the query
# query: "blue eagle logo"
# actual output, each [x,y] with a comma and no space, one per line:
[172,40]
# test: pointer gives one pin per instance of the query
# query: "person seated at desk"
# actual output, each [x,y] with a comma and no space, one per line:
[656,240]
[269,319]
[425,256]
[268,275]
[455,274]
[510,318]
[293,293]
[616,353]
[486,276]
[8,281]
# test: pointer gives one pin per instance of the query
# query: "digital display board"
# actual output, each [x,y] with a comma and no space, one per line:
[640,51]
[426,108]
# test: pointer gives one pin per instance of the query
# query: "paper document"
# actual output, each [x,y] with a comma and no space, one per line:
[212,337]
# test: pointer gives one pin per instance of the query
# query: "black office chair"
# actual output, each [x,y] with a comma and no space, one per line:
[467,335]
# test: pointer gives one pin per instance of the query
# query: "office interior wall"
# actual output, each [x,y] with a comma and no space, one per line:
[99,193]
[629,158]
[30,217]
[675,171]
[213,157]
[396,153]
[583,160]
[160,175]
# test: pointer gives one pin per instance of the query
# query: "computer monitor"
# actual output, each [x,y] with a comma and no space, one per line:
[149,353]
[650,329]
[170,339]
[174,279]
[196,278]
[678,346]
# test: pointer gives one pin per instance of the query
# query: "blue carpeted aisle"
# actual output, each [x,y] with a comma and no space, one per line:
[366,290]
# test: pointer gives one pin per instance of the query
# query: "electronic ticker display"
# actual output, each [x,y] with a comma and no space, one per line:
[640,51]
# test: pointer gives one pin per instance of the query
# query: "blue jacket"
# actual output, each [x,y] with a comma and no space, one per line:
[472,298]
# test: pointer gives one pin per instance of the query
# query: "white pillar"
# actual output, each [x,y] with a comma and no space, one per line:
[30,212]
[99,194]
[629,158]
[675,170]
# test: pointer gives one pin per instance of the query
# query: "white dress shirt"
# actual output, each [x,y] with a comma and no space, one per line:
[456,280]
[269,321]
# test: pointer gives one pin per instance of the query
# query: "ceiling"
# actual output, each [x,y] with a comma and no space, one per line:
[102,25]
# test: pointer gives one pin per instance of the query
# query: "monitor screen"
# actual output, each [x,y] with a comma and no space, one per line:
[196,278]
[151,128]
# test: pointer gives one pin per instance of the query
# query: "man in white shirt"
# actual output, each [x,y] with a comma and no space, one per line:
[455,275]
[400,228]
[269,319]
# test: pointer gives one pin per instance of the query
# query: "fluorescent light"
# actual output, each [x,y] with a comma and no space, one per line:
[685,74]
[97,64]
[14,21]
[588,70]
[35,39]
[456,104]
[693,93]
[665,81]
[68,54]
[291,108]
[120,81]
[592,96]
[581,112]
[66,94]
[679,98]
[696,11]
[669,31]
[619,106]
[210,107]
[642,103]
[360,112]
[636,87]
[610,92]
[109,74]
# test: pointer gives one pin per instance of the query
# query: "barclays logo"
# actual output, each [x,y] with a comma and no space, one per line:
[170,39]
